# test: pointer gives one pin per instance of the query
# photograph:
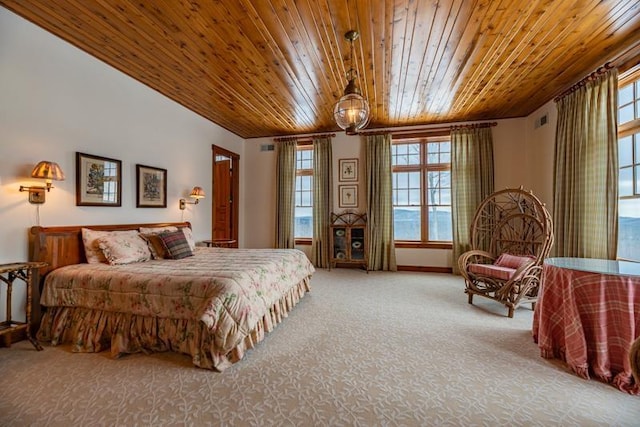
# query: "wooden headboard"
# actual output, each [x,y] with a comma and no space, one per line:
[60,246]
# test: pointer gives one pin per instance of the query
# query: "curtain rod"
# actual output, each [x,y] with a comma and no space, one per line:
[428,130]
[590,77]
[305,136]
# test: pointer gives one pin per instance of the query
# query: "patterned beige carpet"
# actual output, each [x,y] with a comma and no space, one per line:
[362,349]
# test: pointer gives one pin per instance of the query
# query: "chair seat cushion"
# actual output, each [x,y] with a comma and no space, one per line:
[491,270]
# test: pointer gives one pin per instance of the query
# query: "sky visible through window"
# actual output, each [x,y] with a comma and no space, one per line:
[629,175]
[303,226]
[422,191]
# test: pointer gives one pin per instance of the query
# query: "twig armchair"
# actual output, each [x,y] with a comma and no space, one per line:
[511,235]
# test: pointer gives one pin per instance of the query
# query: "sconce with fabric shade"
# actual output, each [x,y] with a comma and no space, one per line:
[197,193]
[49,171]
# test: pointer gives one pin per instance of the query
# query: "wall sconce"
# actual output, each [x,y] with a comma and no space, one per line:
[44,170]
[197,193]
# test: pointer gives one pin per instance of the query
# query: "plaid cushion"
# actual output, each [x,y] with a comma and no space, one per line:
[176,245]
[490,270]
[513,261]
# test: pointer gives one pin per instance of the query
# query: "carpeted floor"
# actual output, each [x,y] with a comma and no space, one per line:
[361,349]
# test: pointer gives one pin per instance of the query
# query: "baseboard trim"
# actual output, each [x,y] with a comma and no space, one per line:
[424,269]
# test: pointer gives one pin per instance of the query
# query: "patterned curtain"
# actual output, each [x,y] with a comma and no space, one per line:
[285,193]
[322,200]
[471,182]
[585,208]
[382,250]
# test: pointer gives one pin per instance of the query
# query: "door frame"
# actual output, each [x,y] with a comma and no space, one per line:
[235,190]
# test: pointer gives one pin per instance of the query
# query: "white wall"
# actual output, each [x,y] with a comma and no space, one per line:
[56,100]
[541,151]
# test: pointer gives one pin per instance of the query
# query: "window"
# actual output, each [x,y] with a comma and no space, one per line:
[629,102]
[422,190]
[303,227]
[629,164]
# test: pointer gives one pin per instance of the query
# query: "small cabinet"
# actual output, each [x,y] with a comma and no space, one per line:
[349,239]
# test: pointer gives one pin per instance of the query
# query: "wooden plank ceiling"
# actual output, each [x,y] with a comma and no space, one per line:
[277,67]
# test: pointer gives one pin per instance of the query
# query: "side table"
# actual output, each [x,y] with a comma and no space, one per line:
[220,243]
[25,271]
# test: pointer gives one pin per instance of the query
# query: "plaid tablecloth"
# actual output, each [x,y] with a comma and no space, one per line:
[589,320]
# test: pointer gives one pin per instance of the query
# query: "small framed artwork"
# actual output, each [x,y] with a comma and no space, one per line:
[151,187]
[348,196]
[348,170]
[98,181]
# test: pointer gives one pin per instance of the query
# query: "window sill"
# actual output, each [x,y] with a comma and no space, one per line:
[424,245]
[303,242]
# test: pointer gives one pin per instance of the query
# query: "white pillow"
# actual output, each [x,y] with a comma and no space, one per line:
[124,247]
[91,250]
[156,230]
[188,234]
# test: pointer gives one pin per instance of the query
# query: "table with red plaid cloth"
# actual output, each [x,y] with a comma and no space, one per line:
[588,314]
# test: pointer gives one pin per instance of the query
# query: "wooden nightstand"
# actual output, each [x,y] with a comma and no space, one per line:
[220,243]
[25,271]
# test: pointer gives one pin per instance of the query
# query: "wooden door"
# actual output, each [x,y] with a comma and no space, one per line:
[225,195]
[222,199]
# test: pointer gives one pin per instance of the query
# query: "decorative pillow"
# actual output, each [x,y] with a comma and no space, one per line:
[124,248]
[176,244]
[91,250]
[513,261]
[188,234]
[156,230]
[155,245]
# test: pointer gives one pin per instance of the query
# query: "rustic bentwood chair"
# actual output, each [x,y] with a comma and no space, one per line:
[511,235]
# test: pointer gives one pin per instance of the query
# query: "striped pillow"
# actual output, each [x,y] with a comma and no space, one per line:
[513,261]
[176,245]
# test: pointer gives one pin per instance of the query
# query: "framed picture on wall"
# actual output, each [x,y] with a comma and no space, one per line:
[348,170]
[348,196]
[98,181]
[151,187]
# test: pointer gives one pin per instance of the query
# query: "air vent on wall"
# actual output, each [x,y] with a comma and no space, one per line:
[541,121]
[266,147]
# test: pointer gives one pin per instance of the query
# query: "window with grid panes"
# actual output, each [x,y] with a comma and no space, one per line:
[422,190]
[629,164]
[303,227]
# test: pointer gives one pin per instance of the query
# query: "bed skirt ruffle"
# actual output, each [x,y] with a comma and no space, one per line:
[90,330]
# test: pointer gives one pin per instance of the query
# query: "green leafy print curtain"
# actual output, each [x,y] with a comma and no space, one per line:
[382,251]
[322,200]
[471,181]
[285,193]
[585,208]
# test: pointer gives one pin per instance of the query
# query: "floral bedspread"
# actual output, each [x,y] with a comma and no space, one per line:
[229,290]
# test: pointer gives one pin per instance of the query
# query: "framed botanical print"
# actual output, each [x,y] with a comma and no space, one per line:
[348,196]
[348,170]
[98,181]
[151,187]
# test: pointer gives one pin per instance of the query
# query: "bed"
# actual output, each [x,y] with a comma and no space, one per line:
[213,306]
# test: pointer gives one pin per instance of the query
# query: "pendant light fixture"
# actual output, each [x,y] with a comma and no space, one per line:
[351,112]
